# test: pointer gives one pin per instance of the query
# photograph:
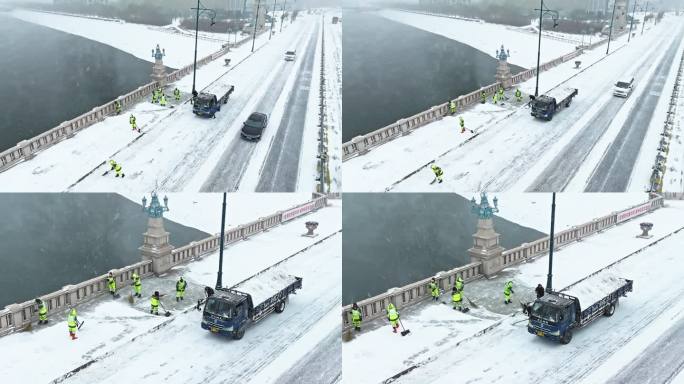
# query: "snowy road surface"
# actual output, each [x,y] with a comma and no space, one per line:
[659,363]
[615,170]
[229,171]
[279,172]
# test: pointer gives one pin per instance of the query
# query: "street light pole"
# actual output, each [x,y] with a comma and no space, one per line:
[272,19]
[554,16]
[541,15]
[194,65]
[256,21]
[610,33]
[281,16]
[549,278]
[643,22]
[219,278]
[632,23]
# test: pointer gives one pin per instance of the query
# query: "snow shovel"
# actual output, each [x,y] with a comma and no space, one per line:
[405,331]
[472,303]
[167,313]
[80,325]
[130,298]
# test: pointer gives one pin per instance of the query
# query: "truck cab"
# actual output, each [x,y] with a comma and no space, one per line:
[227,313]
[553,316]
[206,104]
[543,106]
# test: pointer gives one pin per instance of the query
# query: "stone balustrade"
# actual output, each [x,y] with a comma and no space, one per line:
[375,307]
[197,249]
[17,316]
[540,247]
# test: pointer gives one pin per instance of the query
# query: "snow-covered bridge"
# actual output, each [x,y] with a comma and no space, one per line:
[600,143]
[491,341]
[178,151]
[122,340]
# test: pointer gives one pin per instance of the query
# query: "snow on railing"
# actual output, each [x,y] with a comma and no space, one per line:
[375,307]
[656,181]
[540,247]
[16,317]
[197,249]
[362,144]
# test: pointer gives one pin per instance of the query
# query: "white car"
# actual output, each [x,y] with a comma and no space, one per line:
[623,87]
[290,55]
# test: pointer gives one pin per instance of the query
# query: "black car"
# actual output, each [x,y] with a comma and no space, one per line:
[254,126]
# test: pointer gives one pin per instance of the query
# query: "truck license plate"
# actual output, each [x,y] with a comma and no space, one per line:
[540,333]
[214,329]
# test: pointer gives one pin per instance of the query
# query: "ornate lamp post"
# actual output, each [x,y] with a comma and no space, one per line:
[486,248]
[156,245]
[155,208]
[554,16]
[484,210]
[200,9]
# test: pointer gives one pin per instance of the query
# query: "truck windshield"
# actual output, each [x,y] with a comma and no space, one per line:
[546,312]
[203,102]
[219,307]
[540,104]
[622,84]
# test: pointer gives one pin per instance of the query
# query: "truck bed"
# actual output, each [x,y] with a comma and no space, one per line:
[596,291]
[265,285]
[561,93]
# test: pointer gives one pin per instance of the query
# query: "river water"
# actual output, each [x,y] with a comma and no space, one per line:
[394,239]
[51,240]
[48,76]
[392,70]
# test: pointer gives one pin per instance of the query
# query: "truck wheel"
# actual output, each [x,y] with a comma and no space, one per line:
[280,307]
[237,335]
[609,310]
[565,339]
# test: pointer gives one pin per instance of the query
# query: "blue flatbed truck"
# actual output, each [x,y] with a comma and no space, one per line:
[556,314]
[230,311]
[207,104]
[547,105]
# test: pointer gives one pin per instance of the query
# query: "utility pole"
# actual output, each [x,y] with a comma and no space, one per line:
[643,22]
[256,21]
[541,15]
[194,65]
[219,278]
[281,16]
[555,16]
[610,34]
[272,20]
[632,23]
[549,278]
